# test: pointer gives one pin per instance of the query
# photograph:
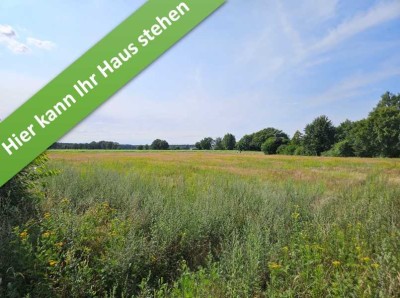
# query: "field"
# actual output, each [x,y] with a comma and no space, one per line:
[215,224]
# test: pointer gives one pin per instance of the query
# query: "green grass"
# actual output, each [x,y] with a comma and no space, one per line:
[212,224]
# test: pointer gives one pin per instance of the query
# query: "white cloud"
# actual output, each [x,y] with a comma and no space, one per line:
[8,37]
[7,31]
[354,85]
[380,13]
[41,44]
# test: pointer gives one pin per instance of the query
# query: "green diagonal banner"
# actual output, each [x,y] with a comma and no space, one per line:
[95,77]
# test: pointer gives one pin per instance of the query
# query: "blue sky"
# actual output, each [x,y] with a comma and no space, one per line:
[253,64]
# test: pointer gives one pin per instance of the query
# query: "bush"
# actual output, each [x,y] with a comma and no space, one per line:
[341,149]
[287,149]
[271,145]
[19,200]
[300,151]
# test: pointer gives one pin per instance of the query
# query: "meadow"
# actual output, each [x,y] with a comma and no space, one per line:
[211,224]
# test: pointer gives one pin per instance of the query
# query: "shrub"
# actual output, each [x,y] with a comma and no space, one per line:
[341,149]
[271,145]
[287,149]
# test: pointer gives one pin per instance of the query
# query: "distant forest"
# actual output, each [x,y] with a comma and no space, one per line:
[107,145]
[378,135]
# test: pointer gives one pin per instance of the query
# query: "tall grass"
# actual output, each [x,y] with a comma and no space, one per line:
[161,227]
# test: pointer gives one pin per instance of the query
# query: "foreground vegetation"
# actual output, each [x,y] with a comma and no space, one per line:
[207,224]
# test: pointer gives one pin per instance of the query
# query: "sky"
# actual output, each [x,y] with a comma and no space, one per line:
[251,65]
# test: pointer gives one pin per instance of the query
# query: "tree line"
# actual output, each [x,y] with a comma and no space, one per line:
[107,145]
[378,135]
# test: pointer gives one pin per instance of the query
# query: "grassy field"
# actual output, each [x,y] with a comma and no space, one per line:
[215,224]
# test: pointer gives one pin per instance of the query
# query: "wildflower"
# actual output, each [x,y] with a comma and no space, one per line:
[285,249]
[60,244]
[23,235]
[358,248]
[46,234]
[274,266]
[52,263]
[336,263]
[366,259]
[47,215]
[65,201]
[375,265]
[295,215]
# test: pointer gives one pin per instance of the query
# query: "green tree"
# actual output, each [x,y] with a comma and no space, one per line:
[297,138]
[229,142]
[385,122]
[159,145]
[206,143]
[245,143]
[363,139]
[254,141]
[319,136]
[218,145]
[271,145]
[343,130]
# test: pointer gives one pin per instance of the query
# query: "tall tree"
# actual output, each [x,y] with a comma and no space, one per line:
[205,144]
[159,145]
[385,121]
[218,145]
[319,136]
[229,141]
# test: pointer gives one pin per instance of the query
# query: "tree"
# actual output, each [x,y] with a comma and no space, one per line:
[218,145]
[205,144]
[319,136]
[261,136]
[140,147]
[297,138]
[159,145]
[385,123]
[362,139]
[343,130]
[245,142]
[229,141]
[271,145]
[254,141]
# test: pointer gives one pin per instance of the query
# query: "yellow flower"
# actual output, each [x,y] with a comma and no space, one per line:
[23,235]
[59,244]
[358,248]
[375,265]
[52,263]
[285,249]
[295,215]
[65,201]
[274,266]
[365,259]
[46,234]
[47,215]
[336,263]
